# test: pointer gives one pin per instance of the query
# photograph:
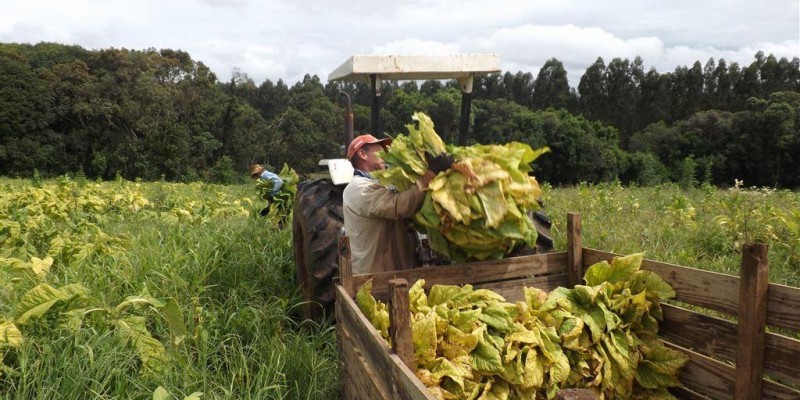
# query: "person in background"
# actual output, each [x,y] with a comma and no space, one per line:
[257,171]
[375,216]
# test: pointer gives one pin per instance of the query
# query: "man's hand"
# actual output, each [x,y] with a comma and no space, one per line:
[439,163]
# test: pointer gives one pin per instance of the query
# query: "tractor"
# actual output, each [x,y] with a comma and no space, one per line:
[318,220]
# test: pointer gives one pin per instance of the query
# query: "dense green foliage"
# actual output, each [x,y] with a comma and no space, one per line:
[160,114]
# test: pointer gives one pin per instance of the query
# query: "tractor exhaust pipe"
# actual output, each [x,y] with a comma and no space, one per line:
[348,121]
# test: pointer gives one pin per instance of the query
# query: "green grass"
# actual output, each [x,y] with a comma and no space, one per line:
[234,280]
[700,228]
[232,274]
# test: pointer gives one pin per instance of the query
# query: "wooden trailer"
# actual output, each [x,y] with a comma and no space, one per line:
[748,349]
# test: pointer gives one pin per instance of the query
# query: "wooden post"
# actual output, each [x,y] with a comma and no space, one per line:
[751,334]
[400,322]
[345,268]
[574,250]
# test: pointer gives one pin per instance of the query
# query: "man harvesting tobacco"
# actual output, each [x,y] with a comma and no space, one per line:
[257,171]
[375,215]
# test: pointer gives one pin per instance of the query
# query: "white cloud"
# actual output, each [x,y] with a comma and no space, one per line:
[274,39]
[416,46]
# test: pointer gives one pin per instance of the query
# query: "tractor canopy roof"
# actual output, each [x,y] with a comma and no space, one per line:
[416,67]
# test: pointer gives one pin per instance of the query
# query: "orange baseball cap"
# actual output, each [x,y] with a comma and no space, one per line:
[361,141]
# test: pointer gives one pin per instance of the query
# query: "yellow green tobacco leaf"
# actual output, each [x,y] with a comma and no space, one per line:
[659,367]
[464,319]
[493,203]
[375,311]
[423,334]
[10,336]
[37,301]
[425,136]
[496,317]
[621,269]
[417,297]
[457,372]
[132,329]
[653,285]
[485,356]
[449,294]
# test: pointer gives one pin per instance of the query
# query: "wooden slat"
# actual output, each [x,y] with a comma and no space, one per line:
[483,271]
[715,379]
[407,386]
[359,380]
[782,358]
[512,290]
[775,391]
[711,290]
[709,336]
[716,337]
[751,328]
[783,307]
[706,376]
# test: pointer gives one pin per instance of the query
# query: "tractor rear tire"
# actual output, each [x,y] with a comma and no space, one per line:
[317,224]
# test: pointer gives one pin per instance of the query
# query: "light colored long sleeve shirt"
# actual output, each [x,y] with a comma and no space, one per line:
[375,221]
[277,182]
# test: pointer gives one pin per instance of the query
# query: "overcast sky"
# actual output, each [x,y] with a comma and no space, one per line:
[273,39]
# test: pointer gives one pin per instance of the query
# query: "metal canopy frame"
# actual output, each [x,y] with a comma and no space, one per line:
[376,68]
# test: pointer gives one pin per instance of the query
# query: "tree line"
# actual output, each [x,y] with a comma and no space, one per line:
[158,114]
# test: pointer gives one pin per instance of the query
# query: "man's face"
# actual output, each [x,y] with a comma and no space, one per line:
[371,161]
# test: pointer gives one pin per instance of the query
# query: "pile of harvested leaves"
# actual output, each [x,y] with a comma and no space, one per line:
[471,344]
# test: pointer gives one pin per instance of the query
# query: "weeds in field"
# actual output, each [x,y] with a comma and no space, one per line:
[190,294]
[702,227]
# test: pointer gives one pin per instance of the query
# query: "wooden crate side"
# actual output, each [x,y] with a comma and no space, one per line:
[472,273]
[712,290]
[407,386]
[359,380]
[782,358]
[706,376]
[716,337]
[709,336]
[391,373]
[716,379]
[367,342]
[512,290]
[783,307]
[360,353]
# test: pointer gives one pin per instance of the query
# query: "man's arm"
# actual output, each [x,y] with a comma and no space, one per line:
[378,201]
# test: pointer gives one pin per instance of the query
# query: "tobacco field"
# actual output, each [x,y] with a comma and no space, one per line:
[159,290]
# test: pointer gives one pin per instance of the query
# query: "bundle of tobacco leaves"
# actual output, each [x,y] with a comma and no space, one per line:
[281,202]
[478,208]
